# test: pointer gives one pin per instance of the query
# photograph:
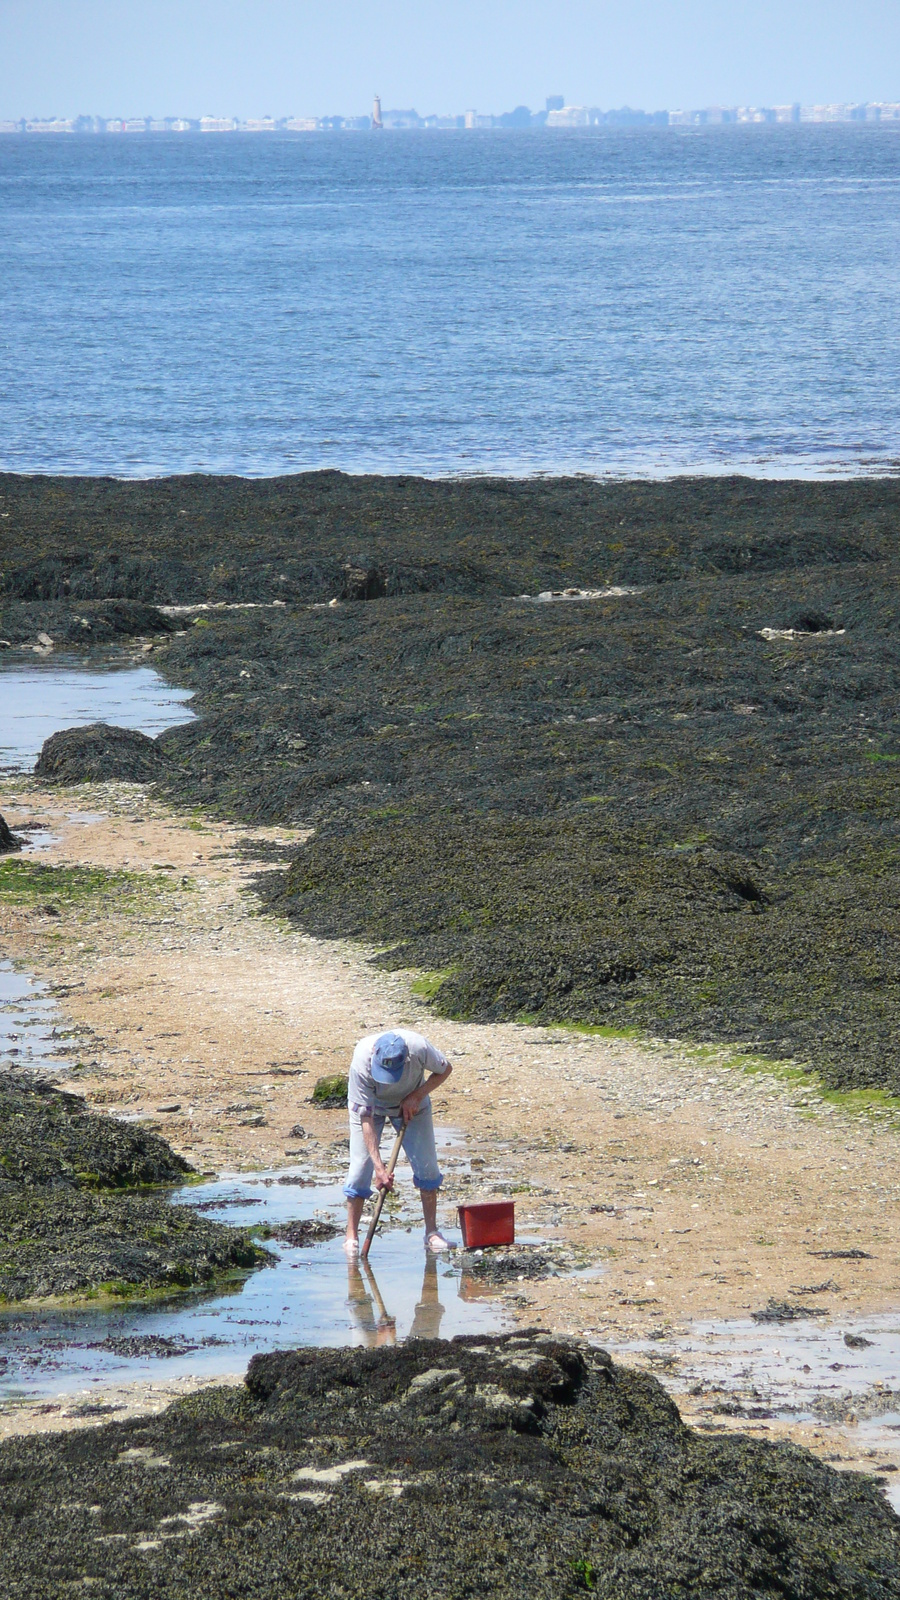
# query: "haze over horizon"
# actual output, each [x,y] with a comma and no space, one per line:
[233,57]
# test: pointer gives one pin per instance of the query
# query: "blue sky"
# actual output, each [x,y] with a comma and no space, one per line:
[314,57]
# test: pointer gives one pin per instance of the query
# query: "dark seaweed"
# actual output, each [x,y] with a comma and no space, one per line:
[508,1266]
[99,753]
[637,811]
[9,841]
[312,536]
[50,1139]
[305,1233]
[70,1221]
[90,626]
[476,1469]
[60,1242]
[784,1311]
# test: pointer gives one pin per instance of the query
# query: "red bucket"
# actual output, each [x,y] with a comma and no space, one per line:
[494,1222]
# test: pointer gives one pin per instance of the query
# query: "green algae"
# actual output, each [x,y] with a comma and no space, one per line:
[92,889]
[330,1092]
[427,985]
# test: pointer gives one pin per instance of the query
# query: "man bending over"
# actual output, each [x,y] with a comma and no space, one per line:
[391,1077]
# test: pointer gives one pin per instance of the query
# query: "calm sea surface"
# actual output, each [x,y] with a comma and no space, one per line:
[607,302]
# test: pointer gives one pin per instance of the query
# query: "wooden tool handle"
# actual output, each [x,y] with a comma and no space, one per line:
[398,1142]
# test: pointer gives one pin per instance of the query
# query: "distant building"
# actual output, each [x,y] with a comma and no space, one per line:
[401,119]
[557,115]
[50,125]
[569,117]
[832,113]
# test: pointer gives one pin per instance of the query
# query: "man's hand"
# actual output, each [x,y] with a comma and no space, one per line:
[383,1178]
[411,1105]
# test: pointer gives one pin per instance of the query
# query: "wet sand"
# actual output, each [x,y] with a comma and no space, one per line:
[716,1185]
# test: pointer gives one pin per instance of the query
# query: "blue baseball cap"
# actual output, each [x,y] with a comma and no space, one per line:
[389,1057]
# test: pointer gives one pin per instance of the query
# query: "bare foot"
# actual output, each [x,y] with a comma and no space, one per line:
[351,1244]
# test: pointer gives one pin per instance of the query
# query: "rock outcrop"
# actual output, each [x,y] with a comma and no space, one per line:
[98,754]
[9,841]
[75,1214]
[471,1469]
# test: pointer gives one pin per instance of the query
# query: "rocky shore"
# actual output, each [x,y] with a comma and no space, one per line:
[666,807]
[662,803]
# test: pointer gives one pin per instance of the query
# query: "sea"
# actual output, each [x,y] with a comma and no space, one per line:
[608,301]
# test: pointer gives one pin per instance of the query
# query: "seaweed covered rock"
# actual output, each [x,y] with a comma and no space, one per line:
[9,841]
[573,918]
[473,1469]
[70,1221]
[49,1138]
[304,1234]
[514,1265]
[99,753]
[330,1093]
[87,625]
[202,537]
[56,1242]
[111,619]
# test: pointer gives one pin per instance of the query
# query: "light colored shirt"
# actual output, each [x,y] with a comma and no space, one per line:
[365,1096]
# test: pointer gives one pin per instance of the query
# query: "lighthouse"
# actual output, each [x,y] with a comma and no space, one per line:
[376,112]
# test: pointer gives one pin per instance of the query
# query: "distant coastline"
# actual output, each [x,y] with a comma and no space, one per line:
[556,115]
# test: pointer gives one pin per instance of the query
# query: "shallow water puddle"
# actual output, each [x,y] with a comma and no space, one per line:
[30,1021]
[38,697]
[803,1371]
[309,1296]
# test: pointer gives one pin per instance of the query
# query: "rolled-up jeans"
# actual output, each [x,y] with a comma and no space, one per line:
[418,1145]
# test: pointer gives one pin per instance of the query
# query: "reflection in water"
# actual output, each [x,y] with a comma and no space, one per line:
[370,1315]
[308,1296]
